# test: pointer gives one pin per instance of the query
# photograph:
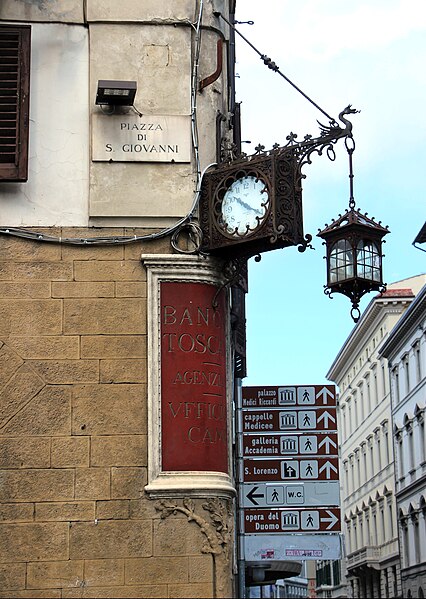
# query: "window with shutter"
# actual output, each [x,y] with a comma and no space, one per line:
[15,46]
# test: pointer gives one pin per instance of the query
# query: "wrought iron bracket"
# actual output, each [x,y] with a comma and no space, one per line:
[325,142]
[232,269]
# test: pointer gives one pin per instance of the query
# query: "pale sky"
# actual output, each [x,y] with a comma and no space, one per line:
[368,53]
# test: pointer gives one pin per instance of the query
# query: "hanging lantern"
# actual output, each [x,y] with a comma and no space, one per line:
[353,251]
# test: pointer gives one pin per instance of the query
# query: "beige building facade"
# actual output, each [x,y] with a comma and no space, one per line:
[372,561]
[90,507]
[405,350]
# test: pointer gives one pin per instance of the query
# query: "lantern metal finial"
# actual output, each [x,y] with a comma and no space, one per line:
[353,250]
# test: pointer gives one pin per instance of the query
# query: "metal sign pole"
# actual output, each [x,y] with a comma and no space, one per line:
[240,533]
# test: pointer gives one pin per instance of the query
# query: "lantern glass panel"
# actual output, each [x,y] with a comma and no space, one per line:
[341,262]
[368,261]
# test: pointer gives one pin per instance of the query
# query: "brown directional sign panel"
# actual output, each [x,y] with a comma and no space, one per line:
[288,466]
[315,444]
[258,521]
[291,469]
[289,396]
[300,419]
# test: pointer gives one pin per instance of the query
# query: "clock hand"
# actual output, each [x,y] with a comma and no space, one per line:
[247,206]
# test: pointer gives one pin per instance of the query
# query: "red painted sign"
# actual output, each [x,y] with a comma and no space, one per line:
[284,520]
[193,378]
[299,419]
[291,469]
[288,396]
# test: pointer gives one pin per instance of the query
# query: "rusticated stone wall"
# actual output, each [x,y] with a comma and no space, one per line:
[75,520]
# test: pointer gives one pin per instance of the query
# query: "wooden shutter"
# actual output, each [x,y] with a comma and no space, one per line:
[15,46]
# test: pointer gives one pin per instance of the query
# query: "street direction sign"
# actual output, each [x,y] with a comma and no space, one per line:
[267,548]
[318,444]
[295,395]
[276,420]
[306,494]
[291,469]
[275,521]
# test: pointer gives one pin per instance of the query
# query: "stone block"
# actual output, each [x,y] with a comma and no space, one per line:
[123,371]
[16,512]
[33,542]
[83,289]
[109,270]
[128,483]
[130,289]
[30,594]
[70,452]
[24,289]
[26,250]
[48,413]
[134,592]
[65,372]
[143,509]
[134,251]
[160,570]
[189,591]
[113,346]
[38,316]
[125,450]
[200,568]
[12,576]
[24,452]
[177,536]
[109,409]
[111,539]
[71,511]
[10,361]
[115,509]
[36,485]
[104,572]
[23,386]
[51,575]
[37,271]
[46,348]
[115,316]
[92,483]
[90,251]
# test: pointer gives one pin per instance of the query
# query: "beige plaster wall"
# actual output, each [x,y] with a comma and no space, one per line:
[159,59]
[152,43]
[75,520]
[60,11]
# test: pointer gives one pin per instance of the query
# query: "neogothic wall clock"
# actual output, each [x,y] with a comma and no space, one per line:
[252,205]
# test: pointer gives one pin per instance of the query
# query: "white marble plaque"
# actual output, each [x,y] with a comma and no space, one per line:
[149,138]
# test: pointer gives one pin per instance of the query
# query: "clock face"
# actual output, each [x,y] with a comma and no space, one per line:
[244,206]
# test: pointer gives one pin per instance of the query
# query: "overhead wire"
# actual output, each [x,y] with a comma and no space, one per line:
[271,65]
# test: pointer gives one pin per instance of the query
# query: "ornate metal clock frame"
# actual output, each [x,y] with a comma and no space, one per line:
[281,223]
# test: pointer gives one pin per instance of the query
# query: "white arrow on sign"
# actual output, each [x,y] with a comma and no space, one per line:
[324,393]
[327,441]
[328,467]
[332,520]
[326,416]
